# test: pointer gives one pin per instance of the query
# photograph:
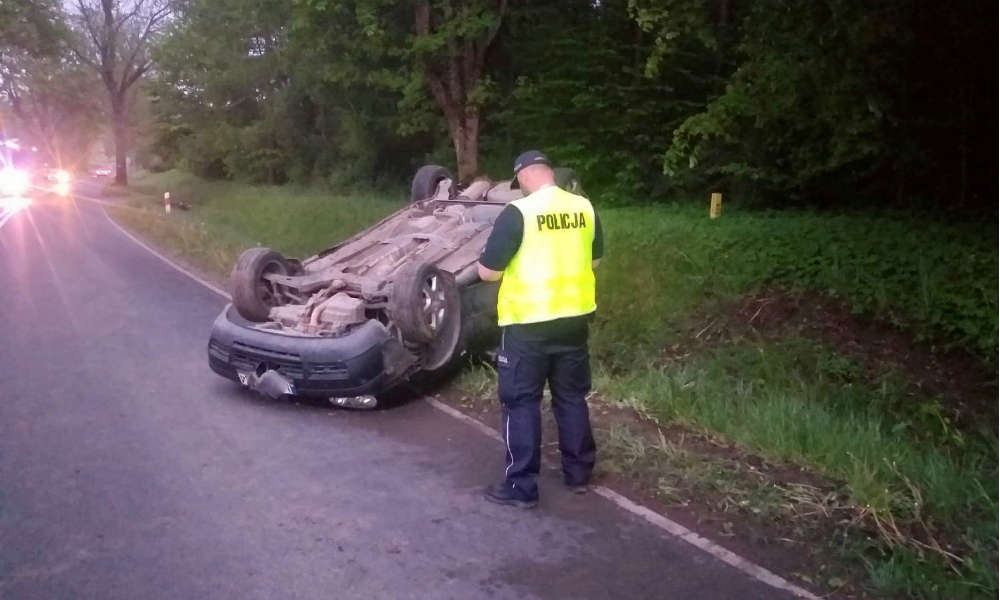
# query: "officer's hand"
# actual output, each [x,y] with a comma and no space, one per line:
[488,274]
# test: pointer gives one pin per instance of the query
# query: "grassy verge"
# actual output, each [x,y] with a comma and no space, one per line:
[925,488]
[938,279]
[914,492]
[225,218]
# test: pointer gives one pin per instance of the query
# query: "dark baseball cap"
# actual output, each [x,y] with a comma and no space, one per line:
[531,157]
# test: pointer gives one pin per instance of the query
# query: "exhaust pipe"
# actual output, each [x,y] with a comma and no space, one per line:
[476,190]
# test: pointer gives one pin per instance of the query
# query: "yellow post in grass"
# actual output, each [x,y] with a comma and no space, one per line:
[715,208]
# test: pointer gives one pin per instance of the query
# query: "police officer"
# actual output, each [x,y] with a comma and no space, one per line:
[543,249]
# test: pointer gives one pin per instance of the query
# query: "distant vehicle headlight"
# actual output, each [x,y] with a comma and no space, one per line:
[63,176]
[13,182]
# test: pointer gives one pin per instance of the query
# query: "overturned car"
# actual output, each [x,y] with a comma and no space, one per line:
[399,298]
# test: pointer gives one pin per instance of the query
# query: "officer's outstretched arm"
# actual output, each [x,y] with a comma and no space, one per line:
[488,274]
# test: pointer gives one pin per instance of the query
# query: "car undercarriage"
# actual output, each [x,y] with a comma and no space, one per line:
[407,285]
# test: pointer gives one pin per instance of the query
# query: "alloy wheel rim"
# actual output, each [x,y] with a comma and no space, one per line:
[434,303]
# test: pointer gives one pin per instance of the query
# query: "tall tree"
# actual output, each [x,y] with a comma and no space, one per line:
[453,37]
[42,85]
[53,103]
[224,69]
[586,97]
[114,38]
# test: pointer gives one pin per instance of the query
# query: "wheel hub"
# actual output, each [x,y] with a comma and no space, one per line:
[434,303]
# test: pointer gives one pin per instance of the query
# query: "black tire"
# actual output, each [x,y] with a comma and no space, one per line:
[426,306]
[254,296]
[568,180]
[425,182]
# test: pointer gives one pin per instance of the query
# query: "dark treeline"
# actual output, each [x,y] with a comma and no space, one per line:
[824,103]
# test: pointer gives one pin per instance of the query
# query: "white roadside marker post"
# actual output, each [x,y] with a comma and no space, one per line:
[166,202]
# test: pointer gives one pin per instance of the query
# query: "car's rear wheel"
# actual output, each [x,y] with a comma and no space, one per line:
[426,181]
[426,306]
[568,180]
[253,294]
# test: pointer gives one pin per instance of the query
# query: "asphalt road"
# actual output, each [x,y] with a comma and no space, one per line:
[129,470]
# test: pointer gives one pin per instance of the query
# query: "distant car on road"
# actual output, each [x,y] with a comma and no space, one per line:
[57,175]
[55,180]
[14,182]
[15,187]
[17,171]
[398,298]
[102,172]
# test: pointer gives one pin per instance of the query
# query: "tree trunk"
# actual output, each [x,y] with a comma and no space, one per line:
[464,130]
[453,76]
[119,117]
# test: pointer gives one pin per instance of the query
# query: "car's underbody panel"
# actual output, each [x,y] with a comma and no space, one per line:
[399,297]
[344,285]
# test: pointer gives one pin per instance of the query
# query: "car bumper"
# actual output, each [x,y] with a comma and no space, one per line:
[365,361]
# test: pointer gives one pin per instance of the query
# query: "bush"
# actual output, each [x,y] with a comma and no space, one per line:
[938,278]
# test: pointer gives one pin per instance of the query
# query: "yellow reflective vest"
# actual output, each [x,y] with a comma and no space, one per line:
[551,275]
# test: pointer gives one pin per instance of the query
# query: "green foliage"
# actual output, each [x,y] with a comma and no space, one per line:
[821,100]
[47,99]
[306,91]
[218,91]
[585,98]
[30,26]
[935,277]
[806,101]
[819,103]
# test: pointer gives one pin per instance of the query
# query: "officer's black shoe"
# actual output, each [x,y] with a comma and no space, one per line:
[577,486]
[506,494]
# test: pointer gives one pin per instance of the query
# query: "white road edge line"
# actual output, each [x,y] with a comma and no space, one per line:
[654,518]
[730,558]
[672,527]
[454,412]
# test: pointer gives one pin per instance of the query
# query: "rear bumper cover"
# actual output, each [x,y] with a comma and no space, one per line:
[350,365]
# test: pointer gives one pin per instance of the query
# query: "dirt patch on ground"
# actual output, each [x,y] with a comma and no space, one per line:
[962,381]
[781,516]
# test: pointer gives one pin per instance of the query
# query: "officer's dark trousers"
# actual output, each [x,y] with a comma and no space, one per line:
[523,369]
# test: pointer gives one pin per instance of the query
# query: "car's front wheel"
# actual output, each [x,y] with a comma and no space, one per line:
[568,180]
[253,294]
[426,181]
[426,306]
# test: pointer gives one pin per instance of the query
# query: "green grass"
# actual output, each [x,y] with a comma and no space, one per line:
[663,262]
[908,472]
[226,217]
[911,475]
[904,464]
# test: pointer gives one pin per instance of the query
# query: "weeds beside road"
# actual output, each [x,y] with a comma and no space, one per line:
[226,218]
[828,431]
